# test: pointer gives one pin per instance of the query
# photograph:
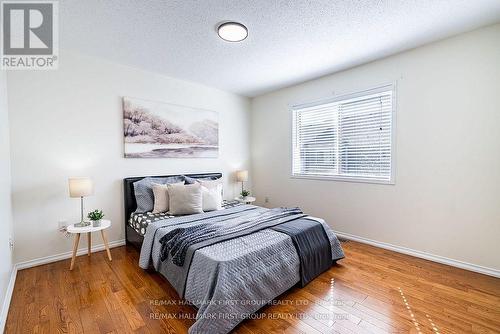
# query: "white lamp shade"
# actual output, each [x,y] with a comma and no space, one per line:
[80,187]
[242,176]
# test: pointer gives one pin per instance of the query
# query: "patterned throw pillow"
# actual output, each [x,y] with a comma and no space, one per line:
[191,180]
[143,191]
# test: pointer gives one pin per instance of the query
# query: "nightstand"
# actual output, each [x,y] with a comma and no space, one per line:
[77,231]
[246,200]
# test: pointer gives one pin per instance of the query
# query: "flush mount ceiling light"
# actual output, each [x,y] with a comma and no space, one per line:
[232,31]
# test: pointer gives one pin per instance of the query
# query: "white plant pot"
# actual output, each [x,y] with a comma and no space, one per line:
[96,223]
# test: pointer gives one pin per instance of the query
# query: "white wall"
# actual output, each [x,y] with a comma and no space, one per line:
[446,200]
[68,122]
[5,199]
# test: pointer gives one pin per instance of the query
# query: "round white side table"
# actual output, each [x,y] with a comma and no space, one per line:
[246,200]
[78,231]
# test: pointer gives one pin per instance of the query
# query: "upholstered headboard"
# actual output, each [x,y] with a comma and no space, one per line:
[129,196]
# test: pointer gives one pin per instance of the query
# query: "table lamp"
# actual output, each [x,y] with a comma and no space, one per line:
[80,187]
[242,176]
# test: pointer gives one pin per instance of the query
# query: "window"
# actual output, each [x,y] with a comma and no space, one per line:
[348,138]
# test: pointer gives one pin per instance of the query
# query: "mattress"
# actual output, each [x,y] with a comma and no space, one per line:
[140,221]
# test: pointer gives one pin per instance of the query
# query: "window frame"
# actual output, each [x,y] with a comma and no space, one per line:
[358,93]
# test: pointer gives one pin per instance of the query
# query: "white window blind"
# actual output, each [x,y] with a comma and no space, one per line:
[348,138]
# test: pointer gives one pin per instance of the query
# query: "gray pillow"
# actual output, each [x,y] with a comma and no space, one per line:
[185,199]
[143,191]
[192,180]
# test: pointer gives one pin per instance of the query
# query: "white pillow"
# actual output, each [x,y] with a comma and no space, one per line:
[210,183]
[212,198]
[185,199]
[160,192]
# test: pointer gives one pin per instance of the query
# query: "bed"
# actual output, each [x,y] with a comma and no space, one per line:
[133,235]
[230,274]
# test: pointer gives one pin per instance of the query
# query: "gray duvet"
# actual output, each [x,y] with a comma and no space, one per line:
[230,280]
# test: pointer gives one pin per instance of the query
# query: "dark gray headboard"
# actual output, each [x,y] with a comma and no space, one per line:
[129,196]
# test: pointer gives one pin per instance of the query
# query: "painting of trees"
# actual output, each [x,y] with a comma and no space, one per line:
[155,129]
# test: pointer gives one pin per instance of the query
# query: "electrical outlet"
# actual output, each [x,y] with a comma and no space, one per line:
[62,225]
[266,199]
[11,243]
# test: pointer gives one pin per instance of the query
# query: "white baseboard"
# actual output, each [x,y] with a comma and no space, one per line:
[422,255]
[66,255]
[8,297]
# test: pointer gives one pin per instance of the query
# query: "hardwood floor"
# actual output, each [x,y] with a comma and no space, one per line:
[371,291]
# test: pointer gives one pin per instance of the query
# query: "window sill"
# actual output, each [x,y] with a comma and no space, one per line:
[343,179]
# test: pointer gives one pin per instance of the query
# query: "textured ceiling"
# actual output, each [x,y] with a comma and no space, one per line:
[289,41]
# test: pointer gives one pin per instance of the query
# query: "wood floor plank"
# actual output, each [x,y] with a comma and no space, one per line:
[372,290]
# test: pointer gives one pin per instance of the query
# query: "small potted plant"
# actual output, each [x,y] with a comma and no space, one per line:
[96,216]
[244,194]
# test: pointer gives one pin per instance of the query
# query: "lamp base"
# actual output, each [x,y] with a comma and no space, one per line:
[82,223]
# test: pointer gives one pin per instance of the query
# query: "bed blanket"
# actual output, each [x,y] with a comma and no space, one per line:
[231,280]
[312,245]
[182,242]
